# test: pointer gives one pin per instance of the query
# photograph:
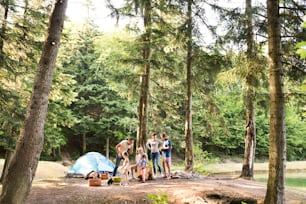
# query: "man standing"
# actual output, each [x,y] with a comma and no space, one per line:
[152,145]
[166,154]
[123,146]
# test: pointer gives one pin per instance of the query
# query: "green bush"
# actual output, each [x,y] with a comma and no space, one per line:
[160,198]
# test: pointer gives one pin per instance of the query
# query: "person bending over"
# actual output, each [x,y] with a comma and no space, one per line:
[123,146]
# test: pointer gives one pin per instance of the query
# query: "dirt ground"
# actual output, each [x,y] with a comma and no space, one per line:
[197,190]
[50,187]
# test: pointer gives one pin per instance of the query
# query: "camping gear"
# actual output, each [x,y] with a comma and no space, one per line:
[110,181]
[92,174]
[114,180]
[91,161]
[94,182]
[117,179]
[104,176]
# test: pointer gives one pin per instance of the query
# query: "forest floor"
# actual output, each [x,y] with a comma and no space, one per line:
[50,187]
[222,190]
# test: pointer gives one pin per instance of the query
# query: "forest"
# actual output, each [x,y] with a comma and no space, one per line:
[206,84]
[96,85]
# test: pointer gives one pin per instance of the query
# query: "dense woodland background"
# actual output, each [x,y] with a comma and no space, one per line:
[96,87]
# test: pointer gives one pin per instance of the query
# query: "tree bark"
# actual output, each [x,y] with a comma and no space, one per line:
[84,144]
[107,148]
[5,5]
[250,137]
[188,118]
[250,132]
[277,152]
[18,180]
[145,80]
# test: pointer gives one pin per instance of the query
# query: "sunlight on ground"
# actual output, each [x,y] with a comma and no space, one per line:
[296,171]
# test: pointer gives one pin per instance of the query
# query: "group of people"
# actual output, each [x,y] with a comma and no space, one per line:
[155,146]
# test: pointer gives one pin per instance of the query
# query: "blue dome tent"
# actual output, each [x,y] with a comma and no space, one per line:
[91,161]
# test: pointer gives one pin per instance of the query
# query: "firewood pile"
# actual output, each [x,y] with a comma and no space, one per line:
[184,175]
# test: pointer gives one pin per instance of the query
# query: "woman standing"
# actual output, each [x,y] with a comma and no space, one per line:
[152,145]
[166,154]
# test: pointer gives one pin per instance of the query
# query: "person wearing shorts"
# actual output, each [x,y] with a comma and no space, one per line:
[166,155]
[143,167]
[139,153]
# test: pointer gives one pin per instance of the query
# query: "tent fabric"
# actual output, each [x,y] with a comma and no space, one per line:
[91,161]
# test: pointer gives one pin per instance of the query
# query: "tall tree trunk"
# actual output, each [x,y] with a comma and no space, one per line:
[18,180]
[277,152]
[84,144]
[145,79]
[107,148]
[25,17]
[188,118]
[250,132]
[5,5]
[8,157]
[250,136]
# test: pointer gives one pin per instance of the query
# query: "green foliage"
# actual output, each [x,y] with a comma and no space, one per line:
[302,46]
[227,128]
[99,109]
[11,116]
[22,33]
[249,71]
[201,158]
[295,133]
[117,63]
[59,115]
[160,198]
[96,87]
[58,118]
[302,49]
[262,135]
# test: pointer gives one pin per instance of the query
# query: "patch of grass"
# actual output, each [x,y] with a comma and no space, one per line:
[296,182]
[200,168]
[292,182]
[160,198]
[178,166]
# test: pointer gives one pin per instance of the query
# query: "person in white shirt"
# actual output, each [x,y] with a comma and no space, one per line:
[153,146]
[123,146]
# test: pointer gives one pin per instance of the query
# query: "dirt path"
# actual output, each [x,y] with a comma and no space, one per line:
[196,190]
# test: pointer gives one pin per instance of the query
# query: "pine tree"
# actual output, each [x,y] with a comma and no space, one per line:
[23,165]
[277,152]
[250,129]
[189,155]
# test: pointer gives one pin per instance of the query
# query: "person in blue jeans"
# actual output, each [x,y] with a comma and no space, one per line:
[123,146]
[153,146]
[166,154]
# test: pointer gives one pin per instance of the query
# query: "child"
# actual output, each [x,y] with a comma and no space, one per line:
[125,168]
[139,152]
[143,166]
